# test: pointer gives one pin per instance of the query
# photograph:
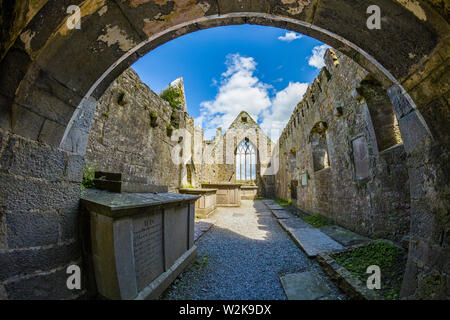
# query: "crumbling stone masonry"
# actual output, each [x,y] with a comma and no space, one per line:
[129,134]
[341,153]
[51,78]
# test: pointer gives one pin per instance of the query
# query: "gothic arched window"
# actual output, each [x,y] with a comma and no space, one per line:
[246,161]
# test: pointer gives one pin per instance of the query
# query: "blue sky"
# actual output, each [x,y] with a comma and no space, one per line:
[262,70]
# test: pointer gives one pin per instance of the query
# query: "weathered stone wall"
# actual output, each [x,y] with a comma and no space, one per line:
[124,138]
[38,219]
[219,154]
[368,194]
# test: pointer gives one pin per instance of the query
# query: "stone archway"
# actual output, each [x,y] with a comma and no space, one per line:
[52,77]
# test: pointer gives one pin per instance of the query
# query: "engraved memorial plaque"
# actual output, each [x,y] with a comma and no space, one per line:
[361,156]
[304,179]
[148,248]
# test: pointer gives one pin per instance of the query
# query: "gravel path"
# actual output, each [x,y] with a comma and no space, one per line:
[242,257]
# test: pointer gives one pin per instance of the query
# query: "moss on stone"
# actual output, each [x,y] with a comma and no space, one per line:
[384,254]
[88,177]
[316,220]
[172,95]
[282,202]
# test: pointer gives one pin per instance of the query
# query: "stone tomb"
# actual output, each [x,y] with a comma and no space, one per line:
[140,242]
[228,194]
[249,192]
[206,204]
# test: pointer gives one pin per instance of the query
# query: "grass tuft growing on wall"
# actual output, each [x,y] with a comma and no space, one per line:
[88,177]
[172,95]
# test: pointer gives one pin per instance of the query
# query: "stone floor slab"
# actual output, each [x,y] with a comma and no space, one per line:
[344,236]
[293,223]
[313,241]
[275,207]
[282,214]
[305,286]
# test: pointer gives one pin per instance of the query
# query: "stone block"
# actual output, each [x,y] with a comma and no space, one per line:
[109,37]
[140,242]
[31,229]
[175,234]
[5,113]
[42,286]
[305,286]
[344,236]
[415,133]
[68,224]
[26,123]
[313,241]
[74,168]
[52,133]
[206,204]
[402,104]
[26,261]
[3,240]
[75,141]
[84,114]
[281,214]
[32,96]
[7,147]
[361,157]
[14,66]
[27,194]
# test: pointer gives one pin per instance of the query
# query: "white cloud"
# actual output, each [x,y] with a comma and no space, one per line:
[284,102]
[290,36]
[240,89]
[316,60]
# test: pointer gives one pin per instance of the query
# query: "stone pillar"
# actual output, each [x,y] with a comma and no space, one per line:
[426,275]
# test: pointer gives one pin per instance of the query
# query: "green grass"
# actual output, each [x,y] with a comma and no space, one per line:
[201,262]
[172,95]
[282,202]
[389,258]
[316,220]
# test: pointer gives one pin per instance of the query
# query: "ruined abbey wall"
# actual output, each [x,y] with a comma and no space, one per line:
[341,153]
[219,154]
[126,138]
[129,134]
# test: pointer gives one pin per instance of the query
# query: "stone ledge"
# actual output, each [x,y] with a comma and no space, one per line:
[347,282]
[117,205]
[204,213]
[302,237]
[197,191]
[157,287]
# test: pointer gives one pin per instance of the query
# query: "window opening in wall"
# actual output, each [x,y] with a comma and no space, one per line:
[318,140]
[246,161]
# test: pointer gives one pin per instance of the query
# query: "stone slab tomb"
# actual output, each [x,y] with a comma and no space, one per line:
[228,194]
[140,241]
[206,203]
[281,214]
[305,286]
[249,192]
[118,182]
